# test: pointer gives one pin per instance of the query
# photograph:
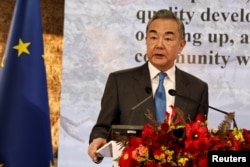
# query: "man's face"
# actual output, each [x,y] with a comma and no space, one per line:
[163,43]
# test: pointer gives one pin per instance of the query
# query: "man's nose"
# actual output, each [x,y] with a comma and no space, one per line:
[159,43]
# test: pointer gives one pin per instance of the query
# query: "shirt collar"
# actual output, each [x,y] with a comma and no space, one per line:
[154,72]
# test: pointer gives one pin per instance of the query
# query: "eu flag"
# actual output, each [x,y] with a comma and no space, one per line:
[25,137]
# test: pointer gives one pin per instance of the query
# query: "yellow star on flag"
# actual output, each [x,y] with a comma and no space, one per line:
[2,65]
[51,164]
[22,47]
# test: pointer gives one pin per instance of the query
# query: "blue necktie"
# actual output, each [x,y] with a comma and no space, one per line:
[160,99]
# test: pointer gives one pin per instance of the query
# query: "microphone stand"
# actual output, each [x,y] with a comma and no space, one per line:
[172,92]
[234,122]
[143,101]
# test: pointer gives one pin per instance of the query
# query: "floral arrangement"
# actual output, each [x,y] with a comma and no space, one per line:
[180,143]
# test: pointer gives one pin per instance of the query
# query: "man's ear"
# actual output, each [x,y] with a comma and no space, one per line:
[182,45]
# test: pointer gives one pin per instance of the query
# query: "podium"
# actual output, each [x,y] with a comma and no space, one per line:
[118,134]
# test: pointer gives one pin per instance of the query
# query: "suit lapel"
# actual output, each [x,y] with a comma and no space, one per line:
[142,88]
[182,88]
[142,81]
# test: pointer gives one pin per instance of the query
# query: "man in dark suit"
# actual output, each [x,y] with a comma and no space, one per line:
[124,89]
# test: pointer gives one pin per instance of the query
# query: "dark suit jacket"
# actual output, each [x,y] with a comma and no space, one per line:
[124,89]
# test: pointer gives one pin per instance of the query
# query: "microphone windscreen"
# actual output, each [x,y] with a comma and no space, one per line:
[148,90]
[172,92]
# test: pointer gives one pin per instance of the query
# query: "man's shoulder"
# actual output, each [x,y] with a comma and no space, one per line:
[188,76]
[131,70]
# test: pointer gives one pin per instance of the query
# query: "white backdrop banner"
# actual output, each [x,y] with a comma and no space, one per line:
[102,36]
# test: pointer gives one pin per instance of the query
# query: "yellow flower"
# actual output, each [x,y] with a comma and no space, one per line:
[182,161]
[238,134]
[172,127]
[214,130]
[170,155]
[160,156]
[169,152]
[163,148]
[126,156]
[140,153]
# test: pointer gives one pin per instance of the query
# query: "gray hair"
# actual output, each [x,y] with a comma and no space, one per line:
[167,14]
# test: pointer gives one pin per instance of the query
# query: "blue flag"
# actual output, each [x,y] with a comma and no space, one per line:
[25,137]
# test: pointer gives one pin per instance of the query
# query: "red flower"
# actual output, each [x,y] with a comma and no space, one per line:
[200,118]
[148,132]
[151,164]
[175,118]
[166,145]
[196,137]
[159,156]
[246,135]
[202,161]
[134,142]
[140,154]
[126,160]
[235,145]
[216,143]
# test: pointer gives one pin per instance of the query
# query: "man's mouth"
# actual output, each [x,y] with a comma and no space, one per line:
[159,55]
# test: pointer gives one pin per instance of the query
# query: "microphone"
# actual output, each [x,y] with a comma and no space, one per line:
[149,91]
[173,92]
[126,130]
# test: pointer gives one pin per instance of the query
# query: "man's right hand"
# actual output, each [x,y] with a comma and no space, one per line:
[94,146]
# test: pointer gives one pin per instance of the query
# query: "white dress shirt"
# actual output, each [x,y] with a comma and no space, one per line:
[169,83]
